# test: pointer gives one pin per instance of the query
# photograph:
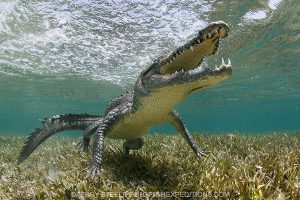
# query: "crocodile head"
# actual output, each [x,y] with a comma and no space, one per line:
[179,69]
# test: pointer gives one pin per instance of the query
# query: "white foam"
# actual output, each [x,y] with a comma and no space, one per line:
[255,15]
[273,4]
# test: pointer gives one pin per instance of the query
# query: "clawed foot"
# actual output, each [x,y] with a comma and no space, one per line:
[202,153]
[92,172]
[82,145]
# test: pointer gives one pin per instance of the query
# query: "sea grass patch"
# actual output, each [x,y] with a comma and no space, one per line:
[239,166]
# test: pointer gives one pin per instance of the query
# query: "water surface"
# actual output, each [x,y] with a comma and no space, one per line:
[75,56]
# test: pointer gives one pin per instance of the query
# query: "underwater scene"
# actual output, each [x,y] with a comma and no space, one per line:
[62,57]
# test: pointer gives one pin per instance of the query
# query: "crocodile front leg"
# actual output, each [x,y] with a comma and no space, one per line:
[180,127]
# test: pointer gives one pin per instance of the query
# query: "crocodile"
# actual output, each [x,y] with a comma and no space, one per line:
[158,89]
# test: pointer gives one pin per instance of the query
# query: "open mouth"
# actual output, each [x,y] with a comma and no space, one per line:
[191,55]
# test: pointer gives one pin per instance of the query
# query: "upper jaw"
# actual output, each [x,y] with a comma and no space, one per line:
[190,55]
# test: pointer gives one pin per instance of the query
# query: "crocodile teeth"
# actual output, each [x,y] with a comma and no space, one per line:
[228,65]
[198,41]
[209,35]
[191,48]
[223,62]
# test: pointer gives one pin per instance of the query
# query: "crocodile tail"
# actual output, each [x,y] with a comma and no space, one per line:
[54,125]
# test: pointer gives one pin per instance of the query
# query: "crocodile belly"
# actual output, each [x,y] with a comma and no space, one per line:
[127,131]
[135,125]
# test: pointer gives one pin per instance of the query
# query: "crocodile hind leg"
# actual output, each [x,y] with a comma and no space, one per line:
[133,144]
[84,141]
[97,155]
[102,130]
[180,127]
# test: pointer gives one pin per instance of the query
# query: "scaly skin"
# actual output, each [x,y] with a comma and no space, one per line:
[158,89]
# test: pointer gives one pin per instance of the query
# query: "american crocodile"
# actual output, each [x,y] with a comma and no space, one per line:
[158,89]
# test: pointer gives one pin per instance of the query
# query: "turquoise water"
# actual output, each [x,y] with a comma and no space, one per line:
[75,56]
